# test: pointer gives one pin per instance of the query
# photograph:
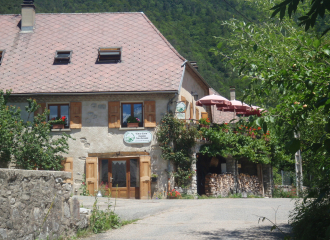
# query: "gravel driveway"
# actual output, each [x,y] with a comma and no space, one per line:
[223,218]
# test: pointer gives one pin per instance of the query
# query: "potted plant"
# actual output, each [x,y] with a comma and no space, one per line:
[58,123]
[133,121]
[173,194]
[204,122]
[154,177]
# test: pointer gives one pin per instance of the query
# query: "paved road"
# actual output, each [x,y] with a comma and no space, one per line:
[222,218]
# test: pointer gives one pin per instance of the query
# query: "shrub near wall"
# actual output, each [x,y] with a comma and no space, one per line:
[37,204]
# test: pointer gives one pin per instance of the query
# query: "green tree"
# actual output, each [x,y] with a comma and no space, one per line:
[281,60]
[29,144]
[11,126]
[316,8]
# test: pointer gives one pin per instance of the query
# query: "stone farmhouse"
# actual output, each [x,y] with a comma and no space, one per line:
[97,69]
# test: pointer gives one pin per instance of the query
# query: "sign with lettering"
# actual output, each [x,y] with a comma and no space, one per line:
[138,137]
[180,107]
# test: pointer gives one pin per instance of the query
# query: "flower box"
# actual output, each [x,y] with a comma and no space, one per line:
[172,197]
[205,126]
[132,124]
[58,126]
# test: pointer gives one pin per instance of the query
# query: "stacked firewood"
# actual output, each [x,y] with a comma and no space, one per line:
[249,184]
[225,184]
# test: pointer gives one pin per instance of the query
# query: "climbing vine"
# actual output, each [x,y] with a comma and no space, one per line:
[176,139]
[243,139]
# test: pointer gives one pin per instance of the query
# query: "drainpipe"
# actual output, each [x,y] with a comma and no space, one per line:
[170,102]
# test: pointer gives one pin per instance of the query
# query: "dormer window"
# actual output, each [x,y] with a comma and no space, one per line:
[109,54]
[2,53]
[62,57]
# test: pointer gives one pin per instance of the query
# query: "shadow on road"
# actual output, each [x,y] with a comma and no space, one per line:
[260,232]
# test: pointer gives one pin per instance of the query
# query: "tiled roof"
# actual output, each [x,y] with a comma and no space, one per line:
[220,117]
[149,62]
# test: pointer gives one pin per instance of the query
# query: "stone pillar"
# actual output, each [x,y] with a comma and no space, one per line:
[194,177]
[268,179]
[231,165]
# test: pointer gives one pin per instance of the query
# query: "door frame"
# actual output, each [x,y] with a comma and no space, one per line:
[129,190]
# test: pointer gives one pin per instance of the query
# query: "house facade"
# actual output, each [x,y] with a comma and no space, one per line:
[98,69]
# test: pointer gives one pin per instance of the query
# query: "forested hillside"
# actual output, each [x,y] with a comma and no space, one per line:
[190,26]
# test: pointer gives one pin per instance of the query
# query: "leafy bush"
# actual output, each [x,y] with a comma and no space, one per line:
[279,193]
[83,187]
[311,219]
[29,144]
[102,221]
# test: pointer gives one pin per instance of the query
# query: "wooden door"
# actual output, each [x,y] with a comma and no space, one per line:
[145,190]
[119,178]
[91,174]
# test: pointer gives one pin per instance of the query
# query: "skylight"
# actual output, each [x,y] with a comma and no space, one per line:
[62,57]
[109,54]
[2,53]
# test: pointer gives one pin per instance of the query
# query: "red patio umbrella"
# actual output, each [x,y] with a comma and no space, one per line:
[255,110]
[236,106]
[213,100]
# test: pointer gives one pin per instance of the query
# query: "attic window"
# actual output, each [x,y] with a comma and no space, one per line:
[62,57]
[109,54]
[2,53]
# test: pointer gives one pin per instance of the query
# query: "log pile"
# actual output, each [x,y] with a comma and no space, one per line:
[225,184]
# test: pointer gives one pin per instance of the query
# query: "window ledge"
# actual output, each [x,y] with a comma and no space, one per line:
[61,130]
[131,128]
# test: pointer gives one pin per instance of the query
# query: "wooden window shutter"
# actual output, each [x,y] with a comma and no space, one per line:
[205,115]
[145,190]
[150,114]
[41,109]
[67,164]
[75,114]
[191,111]
[91,174]
[114,114]
[197,114]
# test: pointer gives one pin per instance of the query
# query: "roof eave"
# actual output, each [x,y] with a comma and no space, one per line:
[91,93]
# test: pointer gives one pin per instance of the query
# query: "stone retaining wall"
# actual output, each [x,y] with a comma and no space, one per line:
[37,205]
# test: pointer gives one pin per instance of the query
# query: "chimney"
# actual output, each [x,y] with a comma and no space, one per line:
[194,64]
[28,16]
[232,93]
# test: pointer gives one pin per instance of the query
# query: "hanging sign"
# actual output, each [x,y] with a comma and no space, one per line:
[137,137]
[180,107]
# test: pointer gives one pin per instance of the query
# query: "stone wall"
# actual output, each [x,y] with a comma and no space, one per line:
[37,204]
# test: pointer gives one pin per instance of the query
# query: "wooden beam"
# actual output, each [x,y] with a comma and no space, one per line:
[117,154]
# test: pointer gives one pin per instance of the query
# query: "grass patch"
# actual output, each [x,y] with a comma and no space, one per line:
[235,195]
[126,222]
[187,196]
[101,221]
[254,196]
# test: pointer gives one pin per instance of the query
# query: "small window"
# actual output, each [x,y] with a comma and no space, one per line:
[59,110]
[109,54]
[131,109]
[2,53]
[62,57]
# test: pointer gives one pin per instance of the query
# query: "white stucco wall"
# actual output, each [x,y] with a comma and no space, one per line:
[190,84]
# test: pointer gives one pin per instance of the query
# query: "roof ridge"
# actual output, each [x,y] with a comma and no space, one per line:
[15,14]
[162,36]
